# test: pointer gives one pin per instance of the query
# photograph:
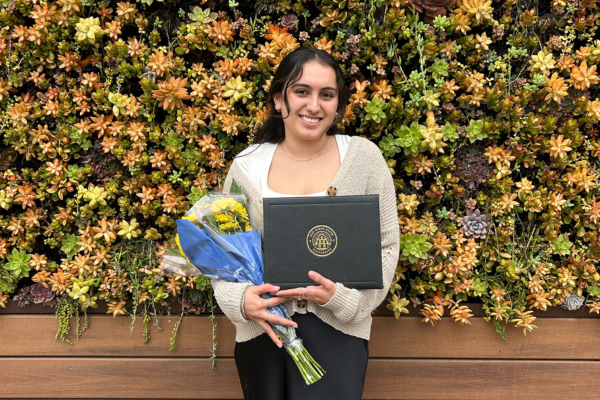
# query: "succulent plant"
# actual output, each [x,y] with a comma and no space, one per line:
[171,93]
[42,294]
[475,224]
[410,138]
[471,165]
[413,247]
[432,8]
[89,30]
[573,302]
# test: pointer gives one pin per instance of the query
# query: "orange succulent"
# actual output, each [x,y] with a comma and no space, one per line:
[171,93]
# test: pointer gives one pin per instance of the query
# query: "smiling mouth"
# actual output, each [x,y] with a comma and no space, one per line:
[310,120]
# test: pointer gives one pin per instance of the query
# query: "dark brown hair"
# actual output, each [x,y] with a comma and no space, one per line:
[288,73]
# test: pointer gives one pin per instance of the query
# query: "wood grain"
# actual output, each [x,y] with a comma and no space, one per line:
[556,339]
[192,378]
[27,335]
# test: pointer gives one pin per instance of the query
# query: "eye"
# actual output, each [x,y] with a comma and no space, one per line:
[329,94]
[300,91]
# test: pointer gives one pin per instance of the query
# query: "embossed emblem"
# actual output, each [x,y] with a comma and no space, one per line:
[321,240]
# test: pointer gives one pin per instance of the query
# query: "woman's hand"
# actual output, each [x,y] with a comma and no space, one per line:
[255,308]
[316,294]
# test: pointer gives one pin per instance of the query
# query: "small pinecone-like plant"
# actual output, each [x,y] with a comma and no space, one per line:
[520,83]
[475,224]
[432,8]
[573,302]
[555,43]
[289,21]
[471,165]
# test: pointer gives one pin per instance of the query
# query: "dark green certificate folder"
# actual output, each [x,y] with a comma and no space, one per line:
[339,237]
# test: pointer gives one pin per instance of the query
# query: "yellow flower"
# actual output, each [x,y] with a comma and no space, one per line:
[229,226]
[180,249]
[222,205]
[192,217]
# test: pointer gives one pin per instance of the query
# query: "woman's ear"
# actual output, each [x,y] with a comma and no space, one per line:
[277,101]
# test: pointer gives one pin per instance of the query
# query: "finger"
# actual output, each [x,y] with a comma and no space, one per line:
[274,319]
[290,292]
[266,288]
[320,279]
[274,301]
[267,328]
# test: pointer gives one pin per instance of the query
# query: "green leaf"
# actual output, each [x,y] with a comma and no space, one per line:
[235,188]
[69,246]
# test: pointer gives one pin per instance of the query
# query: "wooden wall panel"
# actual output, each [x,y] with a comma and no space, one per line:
[556,339]
[192,378]
[108,336]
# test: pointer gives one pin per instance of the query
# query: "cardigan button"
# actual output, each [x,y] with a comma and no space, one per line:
[301,303]
[332,191]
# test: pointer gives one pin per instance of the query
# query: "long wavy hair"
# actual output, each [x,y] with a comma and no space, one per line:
[289,72]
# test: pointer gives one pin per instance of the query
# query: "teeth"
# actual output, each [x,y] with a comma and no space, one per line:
[312,121]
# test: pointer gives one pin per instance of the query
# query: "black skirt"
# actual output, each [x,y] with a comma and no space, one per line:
[269,373]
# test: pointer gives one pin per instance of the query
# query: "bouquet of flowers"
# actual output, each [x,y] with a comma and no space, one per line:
[215,239]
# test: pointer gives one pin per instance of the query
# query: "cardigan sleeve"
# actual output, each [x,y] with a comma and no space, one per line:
[352,305]
[229,295]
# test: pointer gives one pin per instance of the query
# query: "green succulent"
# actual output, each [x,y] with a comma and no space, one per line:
[475,131]
[413,247]
[130,229]
[119,102]
[562,245]
[18,263]
[5,201]
[389,146]
[89,30]
[201,17]
[78,291]
[235,88]
[96,196]
[439,68]
[449,131]
[375,110]
[397,305]
[70,246]
[196,194]
[410,138]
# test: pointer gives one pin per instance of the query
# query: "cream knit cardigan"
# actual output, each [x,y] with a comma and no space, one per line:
[363,171]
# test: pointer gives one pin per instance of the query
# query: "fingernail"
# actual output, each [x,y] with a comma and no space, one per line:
[276,288]
[311,274]
[279,344]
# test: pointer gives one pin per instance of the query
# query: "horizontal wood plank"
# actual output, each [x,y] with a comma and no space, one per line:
[556,339]
[190,378]
[26,335]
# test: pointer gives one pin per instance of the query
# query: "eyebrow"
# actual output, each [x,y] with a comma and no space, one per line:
[295,85]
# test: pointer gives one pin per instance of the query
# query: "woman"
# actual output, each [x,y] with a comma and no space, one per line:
[299,152]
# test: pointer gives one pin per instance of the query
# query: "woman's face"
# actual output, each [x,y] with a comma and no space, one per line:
[313,102]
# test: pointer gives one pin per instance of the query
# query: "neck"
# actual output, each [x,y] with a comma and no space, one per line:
[302,149]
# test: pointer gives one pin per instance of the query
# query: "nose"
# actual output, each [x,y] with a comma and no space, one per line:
[313,105]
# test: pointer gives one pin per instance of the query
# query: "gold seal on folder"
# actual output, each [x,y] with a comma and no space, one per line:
[321,240]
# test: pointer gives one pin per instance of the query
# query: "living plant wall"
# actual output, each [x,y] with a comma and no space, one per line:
[116,116]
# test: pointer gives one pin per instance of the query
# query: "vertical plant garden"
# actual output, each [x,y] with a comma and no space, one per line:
[115,117]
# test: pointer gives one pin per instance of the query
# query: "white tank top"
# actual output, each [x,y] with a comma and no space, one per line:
[257,163]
